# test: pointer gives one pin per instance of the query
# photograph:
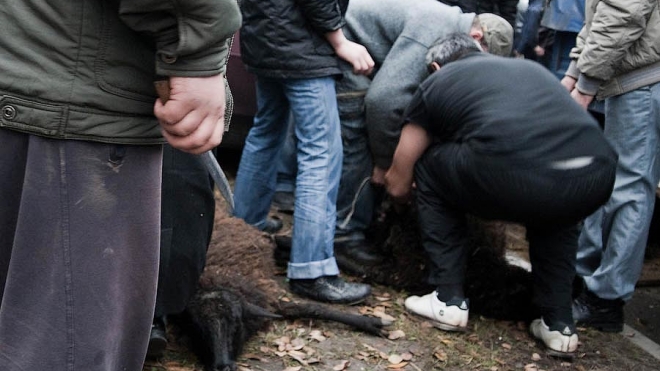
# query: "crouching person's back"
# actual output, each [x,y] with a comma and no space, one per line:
[500,139]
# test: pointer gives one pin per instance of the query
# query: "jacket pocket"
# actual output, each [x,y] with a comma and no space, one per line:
[125,63]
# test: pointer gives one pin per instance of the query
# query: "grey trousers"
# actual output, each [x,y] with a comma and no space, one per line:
[79,238]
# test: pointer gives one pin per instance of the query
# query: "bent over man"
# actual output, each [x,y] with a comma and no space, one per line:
[397,35]
[500,139]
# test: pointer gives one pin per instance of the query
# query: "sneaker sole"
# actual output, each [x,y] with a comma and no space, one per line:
[440,325]
[558,354]
[446,327]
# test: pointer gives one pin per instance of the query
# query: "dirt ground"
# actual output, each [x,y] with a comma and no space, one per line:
[412,343]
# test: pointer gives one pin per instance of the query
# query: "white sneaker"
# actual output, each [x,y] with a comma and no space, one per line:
[450,316]
[561,343]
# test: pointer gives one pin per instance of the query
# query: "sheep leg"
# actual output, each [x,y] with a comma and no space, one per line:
[369,325]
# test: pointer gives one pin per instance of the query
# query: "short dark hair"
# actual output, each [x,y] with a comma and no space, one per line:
[451,48]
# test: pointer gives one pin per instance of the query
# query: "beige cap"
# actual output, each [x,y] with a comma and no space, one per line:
[498,34]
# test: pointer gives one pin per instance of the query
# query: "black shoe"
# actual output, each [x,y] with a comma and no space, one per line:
[330,289]
[157,338]
[604,315]
[272,225]
[284,202]
[358,251]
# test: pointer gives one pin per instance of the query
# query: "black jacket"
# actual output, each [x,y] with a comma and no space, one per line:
[504,8]
[285,38]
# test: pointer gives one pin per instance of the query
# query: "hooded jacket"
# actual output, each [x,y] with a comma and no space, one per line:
[618,49]
[75,69]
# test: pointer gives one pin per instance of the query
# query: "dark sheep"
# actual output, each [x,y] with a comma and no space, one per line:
[240,294]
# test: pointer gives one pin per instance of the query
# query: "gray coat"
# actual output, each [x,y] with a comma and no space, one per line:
[397,34]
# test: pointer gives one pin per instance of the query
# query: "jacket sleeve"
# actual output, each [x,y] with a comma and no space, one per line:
[386,101]
[323,15]
[615,26]
[191,36]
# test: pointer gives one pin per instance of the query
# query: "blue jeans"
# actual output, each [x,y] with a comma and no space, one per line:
[613,239]
[357,196]
[356,199]
[313,105]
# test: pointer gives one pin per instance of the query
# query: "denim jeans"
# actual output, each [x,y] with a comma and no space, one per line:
[356,197]
[355,202]
[313,105]
[613,240]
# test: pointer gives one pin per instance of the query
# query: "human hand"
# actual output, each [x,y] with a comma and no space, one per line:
[539,51]
[357,55]
[399,184]
[193,118]
[353,53]
[582,99]
[569,83]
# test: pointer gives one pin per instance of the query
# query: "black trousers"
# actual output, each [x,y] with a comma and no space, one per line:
[452,181]
[188,209]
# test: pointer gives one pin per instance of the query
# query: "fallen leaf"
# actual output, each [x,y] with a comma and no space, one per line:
[440,355]
[531,367]
[365,310]
[317,335]
[394,359]
[396,334]
[383,315]
[297,368]
[398,365]
[297,343]
[298,356]
[506,346]
[341,365]
[407,356]
[369,347]
[536,357]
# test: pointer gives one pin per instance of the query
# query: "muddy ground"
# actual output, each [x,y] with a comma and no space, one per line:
[411,343]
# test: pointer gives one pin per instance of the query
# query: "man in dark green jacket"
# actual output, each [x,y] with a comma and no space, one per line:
[81,166]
